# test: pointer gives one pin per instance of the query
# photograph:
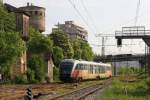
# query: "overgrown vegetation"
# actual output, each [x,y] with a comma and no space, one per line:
[36,69]
[11,45]
[127,91]
[130,85]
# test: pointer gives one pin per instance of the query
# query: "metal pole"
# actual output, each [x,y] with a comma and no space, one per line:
[103,46]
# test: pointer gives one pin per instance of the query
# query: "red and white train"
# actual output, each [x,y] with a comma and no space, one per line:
[71,69]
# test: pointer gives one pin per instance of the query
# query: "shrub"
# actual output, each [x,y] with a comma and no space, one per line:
[47,79]
[21,79]
[148,83]
[56,74]
[31,76]
[37,66]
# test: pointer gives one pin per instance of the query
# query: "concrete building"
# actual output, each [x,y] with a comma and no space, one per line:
[74,31]
[37,16]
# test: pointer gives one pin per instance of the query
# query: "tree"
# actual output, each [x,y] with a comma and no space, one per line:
[87,53]
[11,48]
[38,43]
[37,66]
[77,49]
[57,55]
[7,20]
[61,40]
[82,50]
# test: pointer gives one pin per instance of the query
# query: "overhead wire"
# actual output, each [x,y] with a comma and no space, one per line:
[80,15]
[89,15]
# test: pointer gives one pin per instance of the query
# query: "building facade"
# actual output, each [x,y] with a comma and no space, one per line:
[74,31]
[37,16]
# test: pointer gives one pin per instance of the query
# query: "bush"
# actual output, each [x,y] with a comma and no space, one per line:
[47,79]
[31,76]
[148,83]
[56,74]
[37,66]
[21,79]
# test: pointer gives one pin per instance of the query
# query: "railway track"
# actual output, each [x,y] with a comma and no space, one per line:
[82,93]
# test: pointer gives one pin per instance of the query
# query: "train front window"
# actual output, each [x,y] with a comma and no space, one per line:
[66,67]
[79,66]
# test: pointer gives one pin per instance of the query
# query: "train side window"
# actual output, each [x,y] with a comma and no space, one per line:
[78,66]
[99,69]
[91,69]
[88,67]
[103,69]
[96,69]
[83,66]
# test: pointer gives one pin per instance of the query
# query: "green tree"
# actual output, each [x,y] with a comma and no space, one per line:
[7,20]
[77,49]
[57,55]
[87,53]
[38,43]
[61,40]
[11,48]
[82,50]
[36,65]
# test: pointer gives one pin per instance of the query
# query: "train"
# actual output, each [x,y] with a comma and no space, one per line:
[78,70]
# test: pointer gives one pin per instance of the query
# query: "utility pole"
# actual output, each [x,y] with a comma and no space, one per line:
[103,46]
[104,36]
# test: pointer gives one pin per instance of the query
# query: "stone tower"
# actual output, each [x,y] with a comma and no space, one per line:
[37,16]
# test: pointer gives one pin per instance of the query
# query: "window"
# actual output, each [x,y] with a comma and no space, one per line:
[66,66]
[96,69]
[102,69]
[79,66]
[91,69]
[36,12]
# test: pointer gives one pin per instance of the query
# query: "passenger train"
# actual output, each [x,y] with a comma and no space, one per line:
[71,69]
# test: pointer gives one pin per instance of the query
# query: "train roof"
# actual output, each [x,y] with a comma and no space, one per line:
[86,62]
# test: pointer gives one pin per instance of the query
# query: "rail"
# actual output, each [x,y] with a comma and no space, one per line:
[82,93]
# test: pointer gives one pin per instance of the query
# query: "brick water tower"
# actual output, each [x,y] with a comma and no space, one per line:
[37,16]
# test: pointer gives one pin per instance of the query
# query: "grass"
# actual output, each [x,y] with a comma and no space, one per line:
[127,89]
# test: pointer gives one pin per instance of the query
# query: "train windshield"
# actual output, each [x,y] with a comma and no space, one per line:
[66,67]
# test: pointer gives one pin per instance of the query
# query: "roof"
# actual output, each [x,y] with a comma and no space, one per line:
[14,9]
[86,62]
[31,7]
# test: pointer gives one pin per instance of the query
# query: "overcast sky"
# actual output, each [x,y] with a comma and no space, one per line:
[104,16]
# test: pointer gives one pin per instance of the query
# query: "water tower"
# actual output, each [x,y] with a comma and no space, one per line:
[37,16]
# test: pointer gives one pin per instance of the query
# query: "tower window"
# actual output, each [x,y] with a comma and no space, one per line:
[41,14]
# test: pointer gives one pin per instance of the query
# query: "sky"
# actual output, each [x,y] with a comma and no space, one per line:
[98,17]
